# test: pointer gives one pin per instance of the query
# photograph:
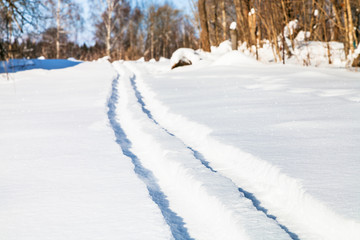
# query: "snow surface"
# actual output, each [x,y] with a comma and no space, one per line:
[16,65]
[186,55]
[290,28]
[62,175]
[233,26]
[228,148]
[287,135]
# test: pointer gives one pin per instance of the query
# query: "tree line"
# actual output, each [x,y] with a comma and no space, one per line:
[50,28]
[278,21]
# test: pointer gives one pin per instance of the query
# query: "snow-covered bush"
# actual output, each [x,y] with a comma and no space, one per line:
[184,56]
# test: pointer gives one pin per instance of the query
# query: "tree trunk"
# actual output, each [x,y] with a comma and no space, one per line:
[212,22]
[223,19]
[252,27]
[338,21]
[234,39]
[108,34]
[204,34]
[351,26]
[152,44]
[239,19]
[347,41]
[58,29]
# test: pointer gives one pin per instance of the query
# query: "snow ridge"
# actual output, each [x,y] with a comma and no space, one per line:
[280,194]
[204,162]
[210,204]
[175,222]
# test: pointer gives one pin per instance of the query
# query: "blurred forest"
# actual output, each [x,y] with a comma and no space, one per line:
[49,28]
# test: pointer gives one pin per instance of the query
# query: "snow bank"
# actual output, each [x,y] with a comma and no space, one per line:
[234,58]
[223,48]
[103,59]
[187,55]
[163,59]
[62,175]
[290,28]
[210,204]
[282,196]
[73,59]
[15,65]
[142,59]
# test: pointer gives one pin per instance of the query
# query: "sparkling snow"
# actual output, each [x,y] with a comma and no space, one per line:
[227,148]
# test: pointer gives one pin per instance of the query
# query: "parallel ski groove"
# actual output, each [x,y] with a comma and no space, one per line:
[175,222]
[203,161]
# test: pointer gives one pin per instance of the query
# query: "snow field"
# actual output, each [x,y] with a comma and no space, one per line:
[210,204]
[62,176]
[283,196]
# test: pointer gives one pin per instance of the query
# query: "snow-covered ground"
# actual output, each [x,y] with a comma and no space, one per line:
[62,175]
[16,65]
[228,148]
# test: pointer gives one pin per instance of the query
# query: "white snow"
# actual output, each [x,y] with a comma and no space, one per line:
[186,55]
[290,28]
[286,134]
[228,148]
[62,175]
[316,12]
[235,58]
[210,204]
[233,26]
[72,59]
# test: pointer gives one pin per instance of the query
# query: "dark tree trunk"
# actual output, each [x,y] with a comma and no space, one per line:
[204,34]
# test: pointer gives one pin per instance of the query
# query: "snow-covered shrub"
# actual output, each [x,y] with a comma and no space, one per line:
[235,58]
[184,56]
[356,58]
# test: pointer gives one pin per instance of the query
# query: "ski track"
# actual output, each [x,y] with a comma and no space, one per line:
[256,203]
[175,222]
[279,197]
[210,204]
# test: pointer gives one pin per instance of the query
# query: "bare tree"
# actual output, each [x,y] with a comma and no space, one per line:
[14,16]
[108,20]
[167,29]
[66,16]
[223,19]
[204,34]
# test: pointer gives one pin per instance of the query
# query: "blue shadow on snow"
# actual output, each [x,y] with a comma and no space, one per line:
[201,158]
[257,205]
[16,65]
[139,97]
[176,224]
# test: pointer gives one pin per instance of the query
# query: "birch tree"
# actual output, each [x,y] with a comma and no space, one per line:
[110,21]
[14,16]
[66,17]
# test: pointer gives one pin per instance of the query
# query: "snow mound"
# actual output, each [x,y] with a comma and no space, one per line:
[290,28]
[104,59]
[223,48]
[187,55]
[163,59]
[142,59]
[73,59]
[234,58]
[41,58]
